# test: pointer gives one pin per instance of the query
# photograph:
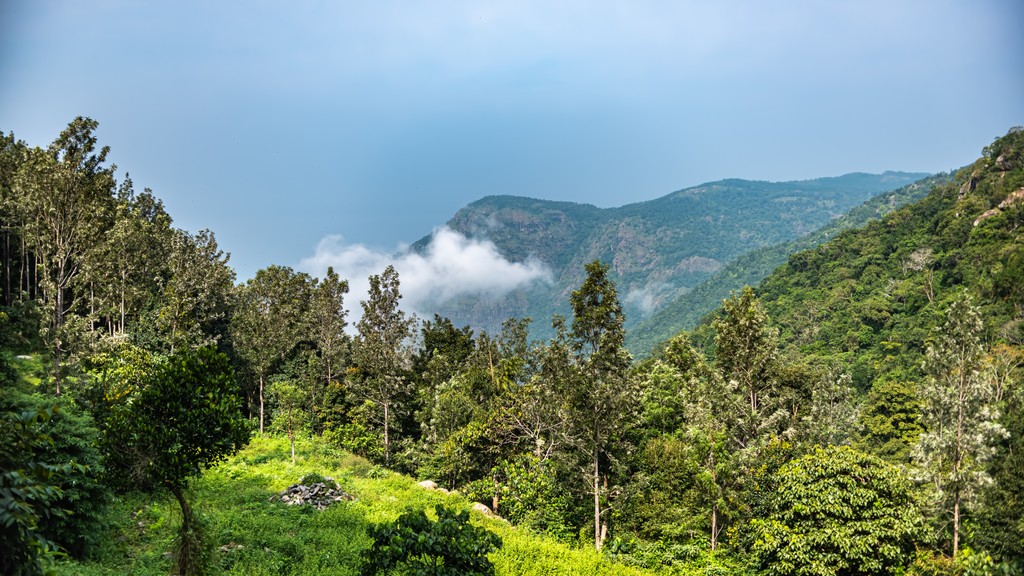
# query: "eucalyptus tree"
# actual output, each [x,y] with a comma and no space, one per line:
[269,321]
[832,415]
[382,354]
[195,301]
[327,323]
[65,191]
[15,253]
[746,356]
[127,265]
[602,397]
[958,414]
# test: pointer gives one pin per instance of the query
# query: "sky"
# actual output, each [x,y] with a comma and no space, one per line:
[310,134]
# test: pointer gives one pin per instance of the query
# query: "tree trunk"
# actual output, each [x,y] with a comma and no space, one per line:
[261,403]
[291,439]
[387,444]
[956,523]
[714,526]
[186,554]
[597,501]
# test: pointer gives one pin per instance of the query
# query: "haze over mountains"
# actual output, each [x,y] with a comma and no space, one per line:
[659,250]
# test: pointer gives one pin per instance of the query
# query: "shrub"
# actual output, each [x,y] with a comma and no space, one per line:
[451,546]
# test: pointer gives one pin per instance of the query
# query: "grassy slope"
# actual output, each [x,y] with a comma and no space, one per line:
[254,536]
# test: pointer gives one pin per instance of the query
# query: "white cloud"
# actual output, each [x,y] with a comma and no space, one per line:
[648,298]
[452,266]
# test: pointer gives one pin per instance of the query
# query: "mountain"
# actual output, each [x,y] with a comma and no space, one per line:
[658,249]
[686,311]
[868,300]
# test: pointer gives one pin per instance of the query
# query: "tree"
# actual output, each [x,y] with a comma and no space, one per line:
[327,322]
[184,418]
[1001,513]
[746,355]
[65,189]
[837,512]
[889,421]
[269,322]
[381,354]
[601,399]
[414,544]
[126,269]
[196,301]
[960,422]
[686,468]
[291,402]
[832,414]
[16,285]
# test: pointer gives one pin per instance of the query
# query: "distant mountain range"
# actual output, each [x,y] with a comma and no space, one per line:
[659,250]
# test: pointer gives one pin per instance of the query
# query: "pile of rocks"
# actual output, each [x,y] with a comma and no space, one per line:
[319,494]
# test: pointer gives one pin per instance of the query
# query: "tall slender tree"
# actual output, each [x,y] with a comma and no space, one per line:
[12,212]
[961,423]
[746,355]
[327,322]
[381,353]
[268,323]
[196,300]
[66,189]
[602,397]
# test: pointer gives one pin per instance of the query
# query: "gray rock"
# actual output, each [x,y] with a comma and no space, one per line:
[482,508]
[319,495]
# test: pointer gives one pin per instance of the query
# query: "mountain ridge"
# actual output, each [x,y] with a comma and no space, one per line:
[657,248]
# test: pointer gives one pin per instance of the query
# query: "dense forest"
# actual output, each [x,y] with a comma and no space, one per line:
[859,412]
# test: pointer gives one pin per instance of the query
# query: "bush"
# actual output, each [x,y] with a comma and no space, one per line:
[838,511]
[68,444]
[451,546]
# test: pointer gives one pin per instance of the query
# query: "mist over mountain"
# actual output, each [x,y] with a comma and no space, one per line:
[659,250]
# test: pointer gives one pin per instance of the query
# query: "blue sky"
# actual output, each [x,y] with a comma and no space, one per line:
[305,131]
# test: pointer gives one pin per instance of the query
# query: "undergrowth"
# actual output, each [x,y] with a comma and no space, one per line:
[250,534]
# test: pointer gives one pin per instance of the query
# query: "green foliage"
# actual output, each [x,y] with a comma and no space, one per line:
[832,413]
[253,536]
[29,493]
[889,424]
[867,301]
[838,511]
[74,447]
[529,495]
[184,418]
[414,544]
[601,396]
[687,310]
[268,323]
[291,413]
[1000,518]
[381,354]
[960,421]
[747,357]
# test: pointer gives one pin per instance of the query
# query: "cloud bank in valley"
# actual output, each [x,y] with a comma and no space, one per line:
[452,266]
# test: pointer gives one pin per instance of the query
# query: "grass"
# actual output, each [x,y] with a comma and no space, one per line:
[251,535]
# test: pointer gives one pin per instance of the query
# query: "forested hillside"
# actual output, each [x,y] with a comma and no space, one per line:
[859,413]
[658,249]
[686,311]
